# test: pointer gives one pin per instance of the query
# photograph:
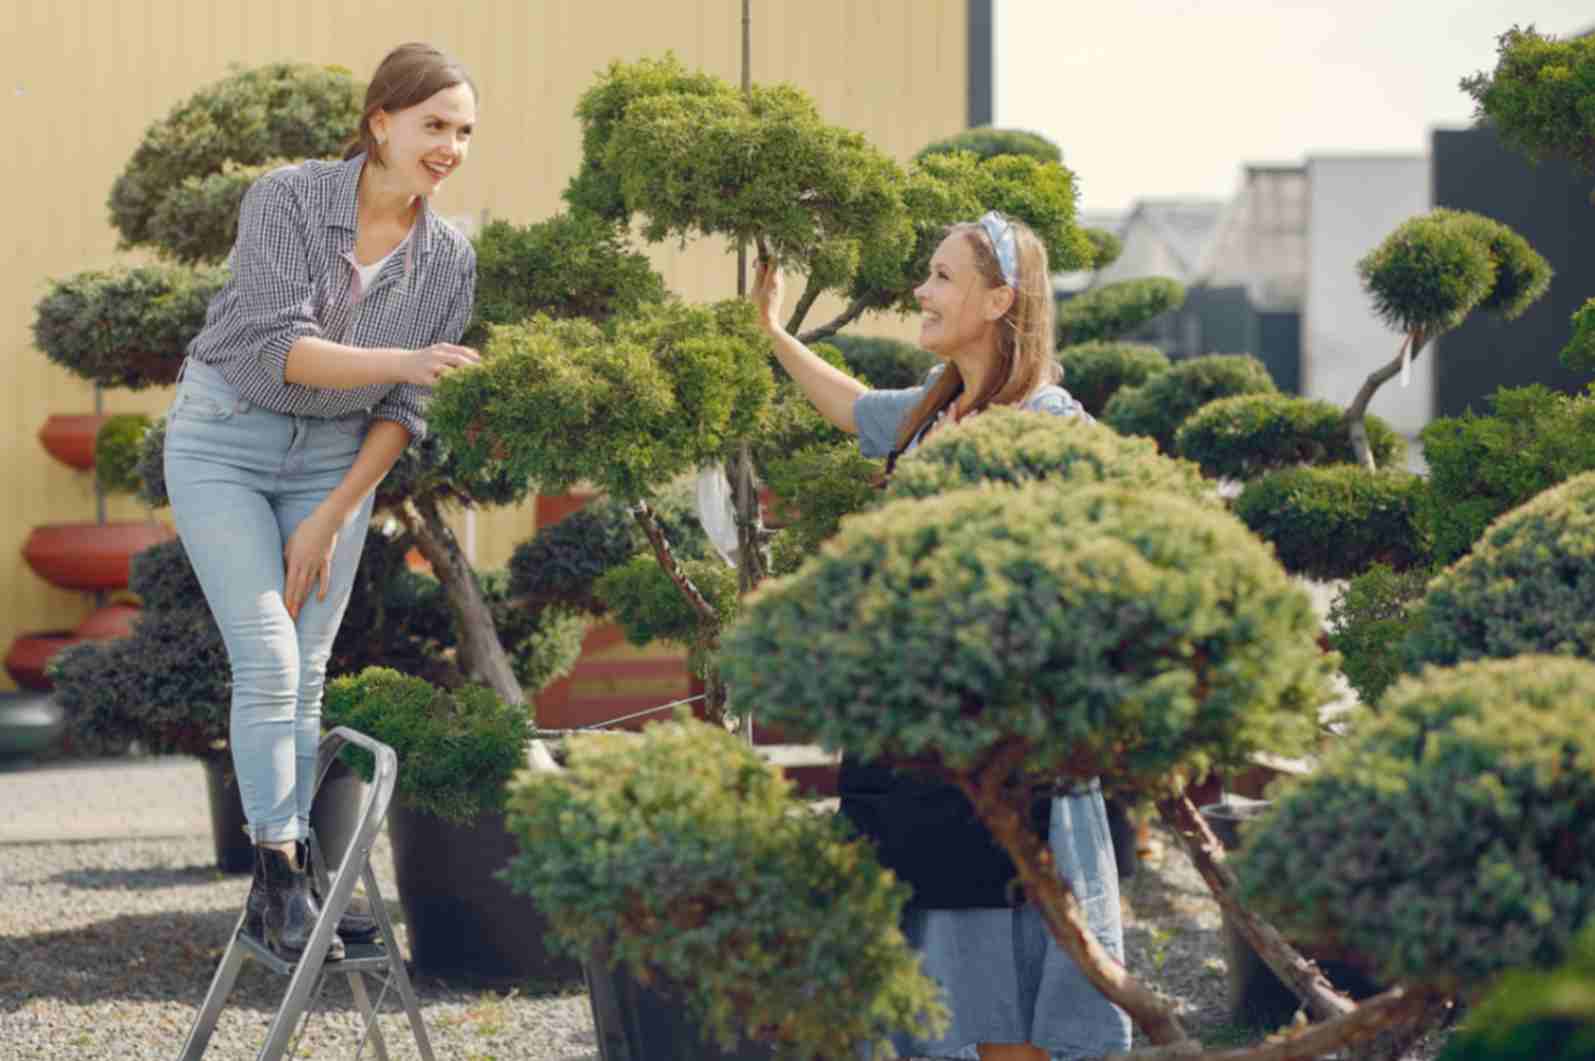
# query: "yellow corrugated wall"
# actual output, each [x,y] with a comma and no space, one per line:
[82,79]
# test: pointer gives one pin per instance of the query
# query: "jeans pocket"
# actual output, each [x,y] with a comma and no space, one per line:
[192,405]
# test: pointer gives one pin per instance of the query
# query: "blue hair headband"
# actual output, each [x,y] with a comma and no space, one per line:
[999,230]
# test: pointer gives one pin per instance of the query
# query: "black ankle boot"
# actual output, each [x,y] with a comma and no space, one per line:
[357,925]
[281,910]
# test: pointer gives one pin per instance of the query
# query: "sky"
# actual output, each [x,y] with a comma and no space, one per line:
[1165,98]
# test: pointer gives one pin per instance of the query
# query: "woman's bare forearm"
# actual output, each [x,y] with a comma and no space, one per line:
[317,362]
[385,442]
[832,391]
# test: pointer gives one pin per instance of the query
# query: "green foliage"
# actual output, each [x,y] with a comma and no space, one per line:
[1105,246]
[1535,1016]
[1481,466]
[1113,310]
[1369,619]
[1159,406]
[649,607]
[1104,630]
[150,471]
[457,749]
[197,221]
[571,265]
[626,407]
[1449,838]
[1015,447]
[1095,371]
[250,117]
[1521,275]
[117,448]
[1539,95]
[683,857]
[1244,436]
[163,579]
[1579,354]
[1527,586]
[1337,521]
[887,364]
[986,142]
[1428,274]
[818,485]
[124,327]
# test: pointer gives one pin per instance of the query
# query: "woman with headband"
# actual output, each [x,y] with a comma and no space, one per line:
[1013,993]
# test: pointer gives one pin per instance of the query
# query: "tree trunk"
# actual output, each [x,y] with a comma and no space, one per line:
[1357,411]
[480,655]
[1300,975]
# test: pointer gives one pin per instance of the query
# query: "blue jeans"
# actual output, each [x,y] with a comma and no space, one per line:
[241,478]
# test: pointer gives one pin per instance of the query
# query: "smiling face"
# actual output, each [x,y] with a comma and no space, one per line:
[960,308]
[423,144]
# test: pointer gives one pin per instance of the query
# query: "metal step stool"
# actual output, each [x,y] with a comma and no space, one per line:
[381,959]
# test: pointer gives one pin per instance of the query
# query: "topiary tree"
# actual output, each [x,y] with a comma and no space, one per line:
[1116,309]
[1002,639]
[1453,836]
[1159,406]
[1368,621]
[684,858]
[1337,521]
[984,141]
[1428,275]
[1539,95]
[117,448]
[1248,434]
[1095,371]
[1106,247]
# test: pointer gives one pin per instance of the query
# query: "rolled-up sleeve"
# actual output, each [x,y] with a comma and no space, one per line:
[270,261]
[406,403]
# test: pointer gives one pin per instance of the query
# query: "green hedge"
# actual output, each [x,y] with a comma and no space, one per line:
[1337,521]
[1095,371]
[1159,406]
[685,857]
[1452,837]
[1108,631]
[1244,436]
[1116,309]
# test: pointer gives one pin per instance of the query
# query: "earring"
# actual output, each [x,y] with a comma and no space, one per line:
[382,141]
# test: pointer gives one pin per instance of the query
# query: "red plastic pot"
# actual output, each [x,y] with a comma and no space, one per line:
[29,654]
[111,621]
[91,556]
[70,438]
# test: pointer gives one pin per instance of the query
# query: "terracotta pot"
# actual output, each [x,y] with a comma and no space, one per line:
[70,438]
[29,654]
[111,621]
[90,556]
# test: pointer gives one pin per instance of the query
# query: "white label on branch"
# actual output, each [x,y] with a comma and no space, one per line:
[717,512]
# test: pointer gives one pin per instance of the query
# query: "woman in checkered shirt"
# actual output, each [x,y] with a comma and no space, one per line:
[346,301]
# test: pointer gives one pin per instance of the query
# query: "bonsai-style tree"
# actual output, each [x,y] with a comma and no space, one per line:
[1159,406]
[1337,521]
[1242,437]
[1428,275]
[1097,369]
[1114,310]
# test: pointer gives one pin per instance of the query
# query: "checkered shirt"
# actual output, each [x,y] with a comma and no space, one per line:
[293,275]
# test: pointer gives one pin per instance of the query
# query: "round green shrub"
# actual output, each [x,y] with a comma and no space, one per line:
[1337,521]
[1244,436]
[562,562]
[681,856]
[889,364]
[1116,309]
[283,110]
[987,142]
[650,607]
[571,265]
[1535,1016]
[197,221]
[1126,633]
[1579,354]
[1097,370]
[124,327]
[150,471]
[625,408]
[1527,586]
[1015,447]
[1427,275]
[1482,466]
[1539,95]
[457,749]
[117,448]
[163,578]
[1159,406]
[1452,837]
[1368,621]
[1521,275]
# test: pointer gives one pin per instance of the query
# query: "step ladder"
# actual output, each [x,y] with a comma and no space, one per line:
[381,960]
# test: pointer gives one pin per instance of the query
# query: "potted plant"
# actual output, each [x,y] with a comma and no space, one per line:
[457,751]
[716,916]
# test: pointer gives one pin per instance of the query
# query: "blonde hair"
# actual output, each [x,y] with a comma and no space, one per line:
[1024,359]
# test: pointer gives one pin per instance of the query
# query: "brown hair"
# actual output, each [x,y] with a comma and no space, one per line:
[1024,337]
[409,74]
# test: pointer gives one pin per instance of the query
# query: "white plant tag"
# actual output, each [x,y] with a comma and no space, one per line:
[717,511]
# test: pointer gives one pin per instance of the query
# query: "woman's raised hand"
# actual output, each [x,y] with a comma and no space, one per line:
[430,364]
[766,294]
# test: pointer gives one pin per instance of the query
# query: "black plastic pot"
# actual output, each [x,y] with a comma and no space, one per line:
[465,923]
[637,1023]
[334,815]
[30,723]
[1258,998]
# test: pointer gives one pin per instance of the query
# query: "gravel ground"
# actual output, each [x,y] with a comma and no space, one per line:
[107,949]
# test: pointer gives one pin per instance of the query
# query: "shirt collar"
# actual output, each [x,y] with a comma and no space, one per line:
[343,212]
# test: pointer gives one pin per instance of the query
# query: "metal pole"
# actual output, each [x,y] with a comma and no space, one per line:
[747,500]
